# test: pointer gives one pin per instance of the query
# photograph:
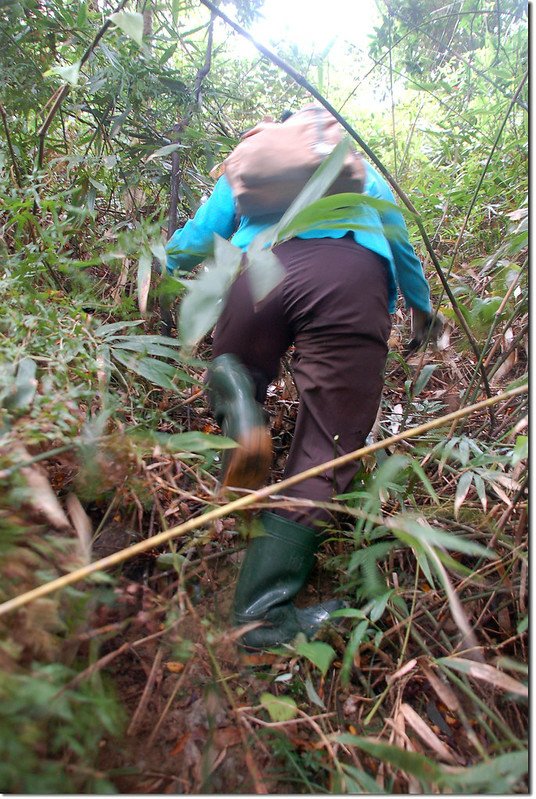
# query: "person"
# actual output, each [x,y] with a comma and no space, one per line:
[334,306]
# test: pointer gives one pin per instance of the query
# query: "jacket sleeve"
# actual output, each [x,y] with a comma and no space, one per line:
[409,272]
[195,241]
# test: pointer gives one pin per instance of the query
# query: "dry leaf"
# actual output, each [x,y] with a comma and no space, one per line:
[487,673]
[401,671]
[427,735]
[82,525]
[42,497]
[443,690]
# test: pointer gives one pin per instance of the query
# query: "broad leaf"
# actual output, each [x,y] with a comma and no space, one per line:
[69,73]
[264,271]
[131,23]
[205,296]
[320,654]
[280,708]
[155,371]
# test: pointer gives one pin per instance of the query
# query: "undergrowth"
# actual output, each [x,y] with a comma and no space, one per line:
[131,680]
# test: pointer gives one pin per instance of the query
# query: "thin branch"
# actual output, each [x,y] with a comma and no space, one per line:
[18,175]
[178,128]
[302,81]
[246,501]
[60,94]
[486,165]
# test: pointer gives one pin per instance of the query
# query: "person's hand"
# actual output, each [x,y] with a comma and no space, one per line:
[425,327]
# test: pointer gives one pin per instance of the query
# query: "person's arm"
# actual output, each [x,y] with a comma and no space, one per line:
[409,272]
[195,241]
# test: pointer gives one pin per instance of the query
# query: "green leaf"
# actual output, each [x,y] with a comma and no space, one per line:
[464,484]
[497,775]
[156,372]
[280,708]
[159,251]
[412,762]
[194,441]
[414,531]
[169,148]
[521,450]
[423,378]
[107,330]
[364,782]
[131,23]
[355,639]
[419,471]
[144,280]
[481,491]
[320,654]
[22,394]
[318,184]
[203,302]
[264,271]
[69,73]
[331,212]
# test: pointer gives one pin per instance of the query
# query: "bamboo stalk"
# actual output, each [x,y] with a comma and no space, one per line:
[246,501]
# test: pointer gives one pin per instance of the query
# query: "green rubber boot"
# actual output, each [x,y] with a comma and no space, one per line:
[276,566]
[231,394]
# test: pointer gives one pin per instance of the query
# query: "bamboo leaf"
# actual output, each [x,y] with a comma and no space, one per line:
[109,329]
[464,484]
[423,378]
[162,151]
[358,633]
[486,673]
[194,441]
[412,762]
[156,372]
[144,281]
[205,296]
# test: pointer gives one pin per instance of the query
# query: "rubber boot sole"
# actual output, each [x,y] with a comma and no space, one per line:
[248,465]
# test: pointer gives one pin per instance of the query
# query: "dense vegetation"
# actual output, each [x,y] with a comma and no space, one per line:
[130,680]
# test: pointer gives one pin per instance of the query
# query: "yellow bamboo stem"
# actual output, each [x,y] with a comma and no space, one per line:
[244,502]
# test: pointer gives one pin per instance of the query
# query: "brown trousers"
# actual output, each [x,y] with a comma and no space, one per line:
[332,305]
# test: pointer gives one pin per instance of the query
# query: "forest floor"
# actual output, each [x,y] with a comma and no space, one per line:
[195,721]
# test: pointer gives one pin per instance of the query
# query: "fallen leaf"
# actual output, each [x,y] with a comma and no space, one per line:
[175,667]
[401,671]
[427,735]
[487,673]
[443,691]
[181,743]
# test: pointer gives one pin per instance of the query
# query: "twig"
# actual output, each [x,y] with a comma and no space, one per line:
[18,176]
[246,501]
[164,713]
[146,692]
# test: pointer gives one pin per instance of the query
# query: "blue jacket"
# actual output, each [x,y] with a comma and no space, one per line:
[383,232]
